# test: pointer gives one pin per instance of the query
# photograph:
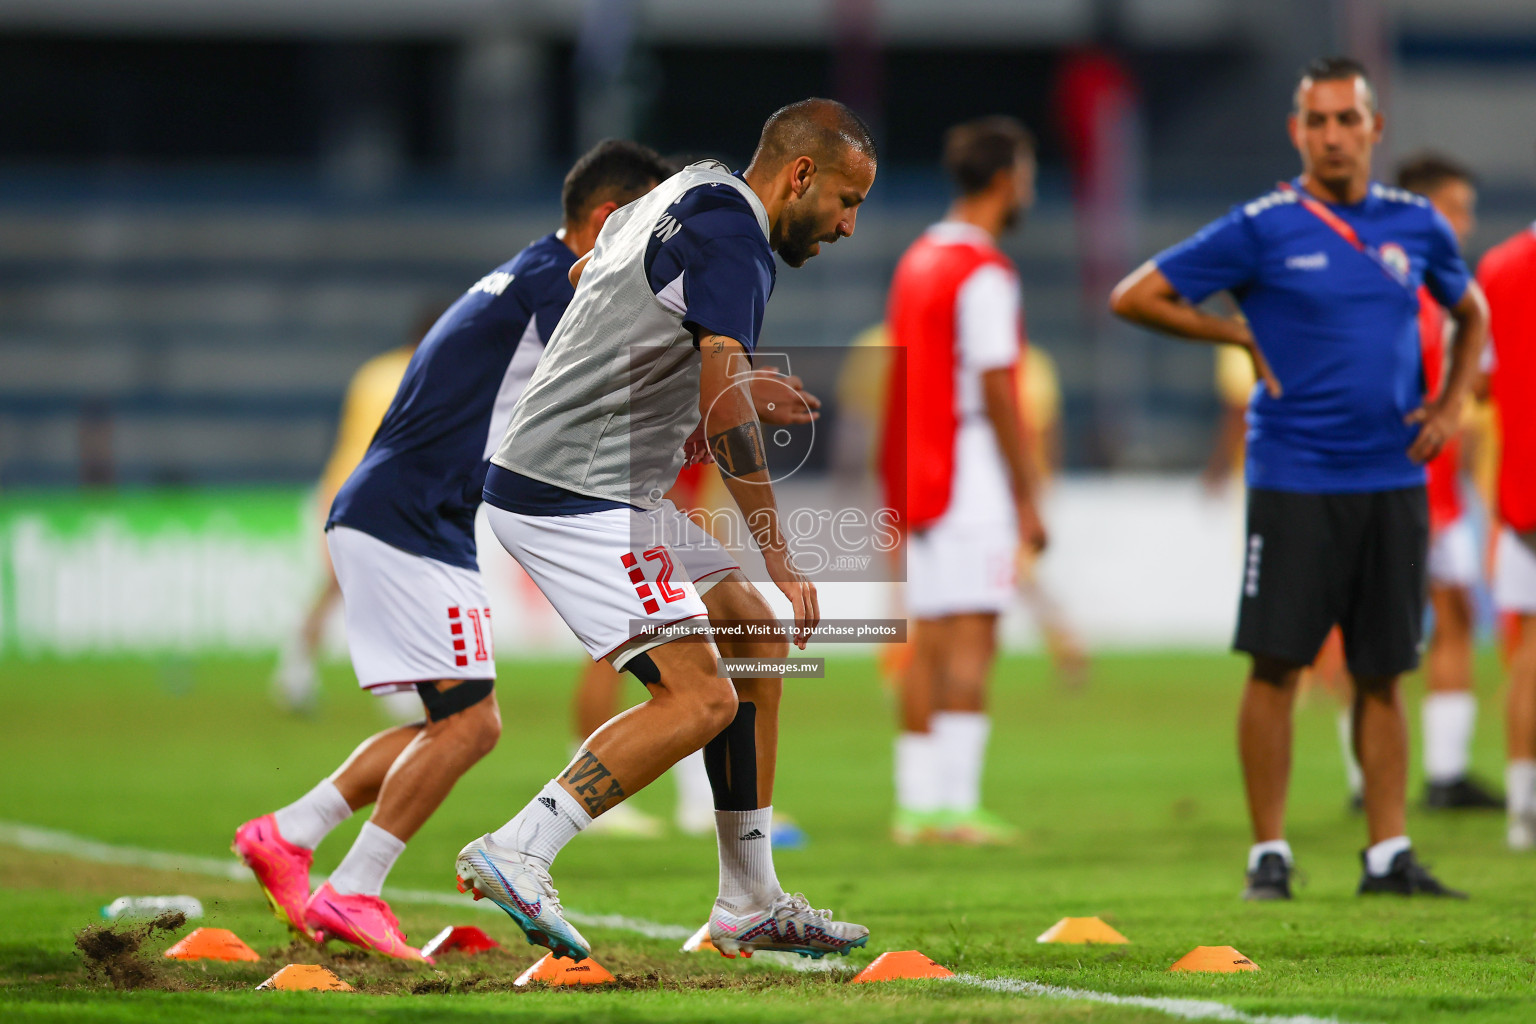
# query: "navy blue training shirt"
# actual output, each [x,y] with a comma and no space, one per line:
[1339,329]
[712,265]
[707,261]
[420,482]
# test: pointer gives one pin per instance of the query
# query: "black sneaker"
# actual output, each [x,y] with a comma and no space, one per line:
[1269,880]
[1407,878]
[1463,794]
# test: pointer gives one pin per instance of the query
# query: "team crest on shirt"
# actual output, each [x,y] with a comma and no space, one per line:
[1395,259]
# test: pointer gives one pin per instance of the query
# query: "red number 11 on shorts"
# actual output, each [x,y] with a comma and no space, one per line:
[480,622]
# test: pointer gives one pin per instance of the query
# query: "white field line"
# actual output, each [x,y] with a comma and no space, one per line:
[1184,1009]
[46,840]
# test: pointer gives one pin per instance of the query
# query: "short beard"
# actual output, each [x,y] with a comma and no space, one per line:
[799,235]
[1015,219]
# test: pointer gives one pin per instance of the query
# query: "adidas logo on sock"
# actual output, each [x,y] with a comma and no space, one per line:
[754,834]
[549,802]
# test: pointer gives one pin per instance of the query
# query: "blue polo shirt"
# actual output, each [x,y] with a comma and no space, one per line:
[1338,327]
[420,482]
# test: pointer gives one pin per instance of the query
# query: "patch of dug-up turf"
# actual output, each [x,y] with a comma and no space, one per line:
[113,952]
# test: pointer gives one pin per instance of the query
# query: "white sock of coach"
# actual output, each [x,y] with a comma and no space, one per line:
[745,841]
[551,819]
[312,816]
[366,865]
[1449,719]
[961,739]
[917,772]
[1378,858]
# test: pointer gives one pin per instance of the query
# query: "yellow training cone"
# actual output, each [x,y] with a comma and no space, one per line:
[1082,929]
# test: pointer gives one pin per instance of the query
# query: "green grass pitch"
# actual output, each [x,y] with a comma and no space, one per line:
[1127,793]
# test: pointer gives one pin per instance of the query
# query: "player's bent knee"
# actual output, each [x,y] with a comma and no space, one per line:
[717,707]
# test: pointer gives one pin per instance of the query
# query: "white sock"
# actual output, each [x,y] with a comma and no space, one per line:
[917,766]
[961,740]
[311,817]
[367,864]
[693,790]
[745,840]
[1448,722]
[1378,858]
[1520,788]
[1352,773]
[550,820]
[1258,850]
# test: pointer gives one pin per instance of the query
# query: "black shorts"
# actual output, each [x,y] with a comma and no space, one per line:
[1355,560]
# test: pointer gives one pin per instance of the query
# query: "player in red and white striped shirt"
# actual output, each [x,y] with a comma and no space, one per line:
[955,466]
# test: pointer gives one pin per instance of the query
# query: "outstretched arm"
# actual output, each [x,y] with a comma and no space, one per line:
[1147,298]
[735,440]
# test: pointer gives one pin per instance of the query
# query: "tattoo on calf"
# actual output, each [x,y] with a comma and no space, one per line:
[739,451]
[594,783]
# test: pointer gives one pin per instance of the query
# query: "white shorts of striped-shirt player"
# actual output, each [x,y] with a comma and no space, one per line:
[617,575]
[410,618]
[1514,575]
[1453,557]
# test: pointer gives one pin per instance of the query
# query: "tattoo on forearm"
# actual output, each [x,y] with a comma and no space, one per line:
[594,783]
[739,450]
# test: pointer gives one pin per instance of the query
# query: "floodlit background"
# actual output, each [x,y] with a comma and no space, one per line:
[213,211]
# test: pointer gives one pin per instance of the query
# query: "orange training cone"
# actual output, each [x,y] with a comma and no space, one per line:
[699,942]
[907,963]
[211,944]
[462,938]
[305,978]
[1082,929]
[553,970]
[1220,959]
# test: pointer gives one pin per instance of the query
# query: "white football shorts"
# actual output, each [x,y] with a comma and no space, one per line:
[1453,555]
[619,575]
[409,618]
[964,561]
[956,567]
[1514,575]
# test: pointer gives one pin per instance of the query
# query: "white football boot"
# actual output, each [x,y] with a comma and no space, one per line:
[789,924]
[521,886]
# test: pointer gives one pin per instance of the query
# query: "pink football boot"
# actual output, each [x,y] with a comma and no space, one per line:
[364,921]
[282,869]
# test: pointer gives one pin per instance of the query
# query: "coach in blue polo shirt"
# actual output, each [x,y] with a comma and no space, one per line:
[1326,269]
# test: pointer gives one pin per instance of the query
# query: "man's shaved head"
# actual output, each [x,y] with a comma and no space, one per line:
[824,130]
[814,165]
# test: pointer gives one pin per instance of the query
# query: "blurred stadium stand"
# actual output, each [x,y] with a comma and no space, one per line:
[211,211]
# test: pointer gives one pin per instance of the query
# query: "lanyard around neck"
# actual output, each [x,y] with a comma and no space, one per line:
[1345,231]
